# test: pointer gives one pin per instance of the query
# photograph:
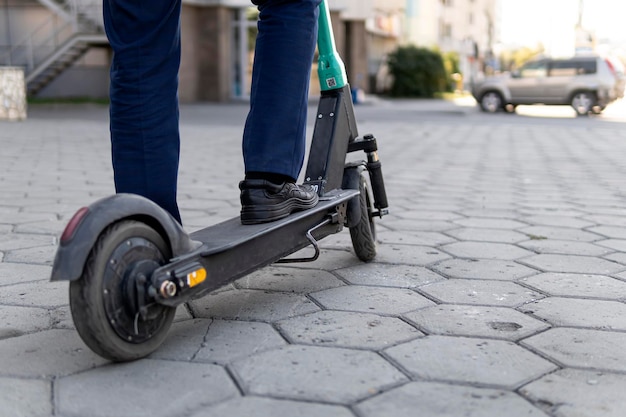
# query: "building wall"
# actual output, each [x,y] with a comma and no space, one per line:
[206,54]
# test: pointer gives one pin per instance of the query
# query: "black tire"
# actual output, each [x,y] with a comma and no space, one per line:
[363,234]
[491,102]
[103,300]
[583,102]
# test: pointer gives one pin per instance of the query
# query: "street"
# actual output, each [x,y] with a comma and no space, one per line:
[498,289]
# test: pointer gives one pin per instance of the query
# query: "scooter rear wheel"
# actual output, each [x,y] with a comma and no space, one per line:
[110,308]
[363,234]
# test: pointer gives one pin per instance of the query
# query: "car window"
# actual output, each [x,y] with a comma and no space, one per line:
[534,70]
[572,67]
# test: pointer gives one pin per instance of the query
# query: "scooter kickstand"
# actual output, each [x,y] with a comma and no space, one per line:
[316,246]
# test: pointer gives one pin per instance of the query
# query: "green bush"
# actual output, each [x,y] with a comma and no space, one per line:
[417,72]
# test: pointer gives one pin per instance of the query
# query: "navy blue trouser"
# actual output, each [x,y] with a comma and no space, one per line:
[145,140]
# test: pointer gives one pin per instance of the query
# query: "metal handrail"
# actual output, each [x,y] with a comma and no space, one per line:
[74,9]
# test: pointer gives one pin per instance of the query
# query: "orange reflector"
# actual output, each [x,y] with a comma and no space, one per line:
[196,277]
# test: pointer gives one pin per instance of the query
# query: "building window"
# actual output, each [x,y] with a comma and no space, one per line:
[471,18]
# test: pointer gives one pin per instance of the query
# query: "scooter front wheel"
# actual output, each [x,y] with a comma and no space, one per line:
[363,234]
[109,303]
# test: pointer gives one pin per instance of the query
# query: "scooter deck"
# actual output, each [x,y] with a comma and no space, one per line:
[230,250]
[231,233]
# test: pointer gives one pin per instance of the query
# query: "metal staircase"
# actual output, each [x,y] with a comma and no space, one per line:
[52,47]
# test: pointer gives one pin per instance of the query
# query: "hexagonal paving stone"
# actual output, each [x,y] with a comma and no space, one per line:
[487,235]
[320,374]
[217,341]
[146,389]
[41,255]
[36,294]
[16,273]
[13,241]
[615,232]
[575,264]
[329,259]
[25,398]
[289,280]
[442,400]
[574,312]
[558,221]
[384,275]
[419,225]
[479,292]
[251,305]
[606,219]
[15,321]
[471,361]
[565,247]
[345,329]
[571,392]
[412,238]
[578,285]
[408,255]
[490,223]
[268,407]
[483,269]
[428,215]
[485,250]
[491,322]
[371,299]
[30,354]
[582,348]
[614,244]
[559,233]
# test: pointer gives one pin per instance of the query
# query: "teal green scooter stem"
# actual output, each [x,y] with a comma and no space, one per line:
[331,69]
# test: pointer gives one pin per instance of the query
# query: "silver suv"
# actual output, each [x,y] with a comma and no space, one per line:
[587,83]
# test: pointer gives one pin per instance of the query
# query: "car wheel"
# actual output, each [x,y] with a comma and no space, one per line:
[510,108]
[583,102]
[491,102]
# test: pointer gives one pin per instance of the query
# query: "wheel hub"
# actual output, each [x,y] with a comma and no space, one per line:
[132,314]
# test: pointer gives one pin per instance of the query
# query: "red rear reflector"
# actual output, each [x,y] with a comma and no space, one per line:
[71,227]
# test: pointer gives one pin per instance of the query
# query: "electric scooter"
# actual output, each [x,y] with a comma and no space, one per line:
[130,263]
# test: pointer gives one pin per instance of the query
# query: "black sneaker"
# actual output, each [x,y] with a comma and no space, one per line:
[263,201]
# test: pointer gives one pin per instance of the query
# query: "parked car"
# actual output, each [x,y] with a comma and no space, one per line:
[587,83]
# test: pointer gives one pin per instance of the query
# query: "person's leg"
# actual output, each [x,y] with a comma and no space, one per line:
[145,37]
[274,136]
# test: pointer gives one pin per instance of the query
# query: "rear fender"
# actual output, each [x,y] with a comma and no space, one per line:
[81,233]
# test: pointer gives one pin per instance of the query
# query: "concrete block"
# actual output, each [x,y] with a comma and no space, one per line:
[483,269]
[573,264]
[582,348]
[572,392]
[145,387]
[485,250]
[442,400]
[575,312]
[578,285]
[480,292]
[489,322]
[269,407]
[494,363]
[25,398]
[382,300]
[251,305]
[345,329]
[384,275]
[316,374]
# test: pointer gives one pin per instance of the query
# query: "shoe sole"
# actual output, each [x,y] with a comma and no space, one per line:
[258,215]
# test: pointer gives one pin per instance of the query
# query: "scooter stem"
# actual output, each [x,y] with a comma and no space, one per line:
[331,69]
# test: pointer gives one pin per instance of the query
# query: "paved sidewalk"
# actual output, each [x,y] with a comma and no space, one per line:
[498,289]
